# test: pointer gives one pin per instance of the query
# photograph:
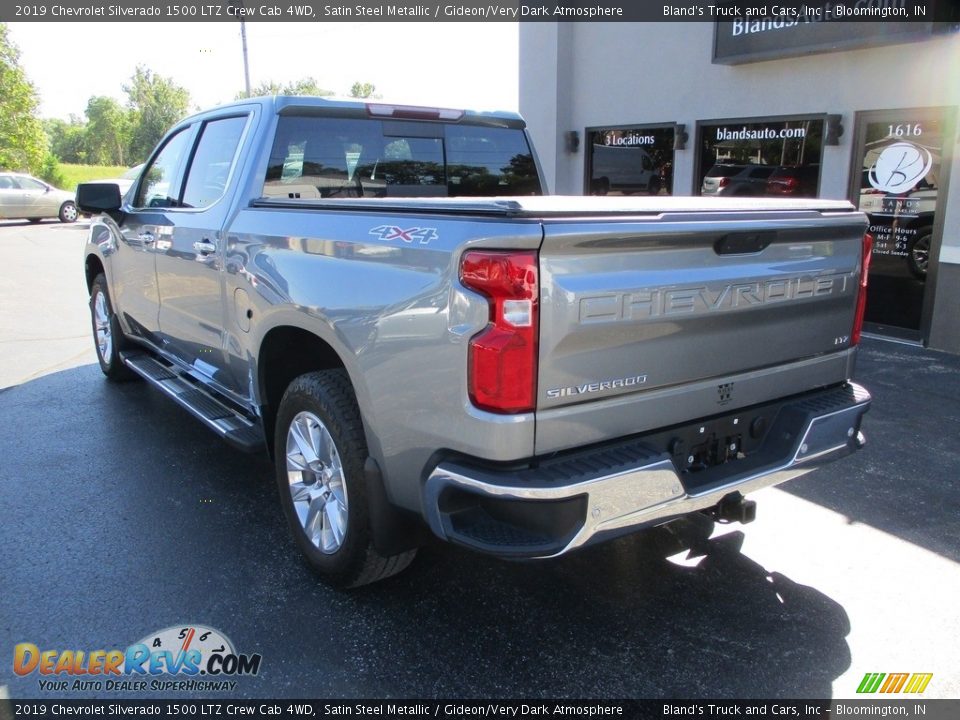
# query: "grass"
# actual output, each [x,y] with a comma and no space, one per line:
[74,174]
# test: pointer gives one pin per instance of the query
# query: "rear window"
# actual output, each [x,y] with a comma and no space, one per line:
[316,157]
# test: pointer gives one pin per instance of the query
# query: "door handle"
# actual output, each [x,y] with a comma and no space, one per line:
[147,237]
[204,247]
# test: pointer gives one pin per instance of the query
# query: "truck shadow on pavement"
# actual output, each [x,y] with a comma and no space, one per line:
[905,482]
[131,509]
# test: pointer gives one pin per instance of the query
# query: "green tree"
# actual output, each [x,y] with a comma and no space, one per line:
[23,143]
[363,90]
[67,139]
[264,89]
[107,132]
[305,86]
[51,172]
[155,103]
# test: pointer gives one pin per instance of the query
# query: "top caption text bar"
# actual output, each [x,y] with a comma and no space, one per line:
[786,11]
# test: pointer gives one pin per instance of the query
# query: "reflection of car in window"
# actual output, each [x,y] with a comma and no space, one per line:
[794,181]
[623,169]
[736,180]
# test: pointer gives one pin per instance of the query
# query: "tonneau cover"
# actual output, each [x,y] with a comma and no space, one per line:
[556,206]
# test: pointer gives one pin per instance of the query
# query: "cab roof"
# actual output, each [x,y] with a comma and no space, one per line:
[325,107]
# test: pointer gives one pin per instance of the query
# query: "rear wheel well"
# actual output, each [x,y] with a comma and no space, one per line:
[92,267]
[285,354]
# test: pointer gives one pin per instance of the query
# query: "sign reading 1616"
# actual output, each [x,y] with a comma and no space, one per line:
[905,130]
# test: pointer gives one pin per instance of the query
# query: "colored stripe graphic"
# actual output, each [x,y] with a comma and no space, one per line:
[894,682]
[870,682]
[918,683]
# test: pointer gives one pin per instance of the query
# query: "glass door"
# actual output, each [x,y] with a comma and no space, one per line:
[896,178]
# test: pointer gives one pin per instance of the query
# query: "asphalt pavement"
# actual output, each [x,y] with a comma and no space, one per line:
[120,515]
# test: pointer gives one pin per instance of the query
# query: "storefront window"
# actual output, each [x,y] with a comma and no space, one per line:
[630,160]
[897,169]
[777,158]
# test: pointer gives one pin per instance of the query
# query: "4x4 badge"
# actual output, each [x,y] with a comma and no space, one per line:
[392,232]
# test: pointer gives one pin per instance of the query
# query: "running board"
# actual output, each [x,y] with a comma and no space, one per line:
[231,425]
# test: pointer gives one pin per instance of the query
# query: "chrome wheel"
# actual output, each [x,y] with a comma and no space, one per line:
[68,212]
[316,482]
[101,327]
[321,457]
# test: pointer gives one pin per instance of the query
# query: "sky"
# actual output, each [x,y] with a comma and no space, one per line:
[452,64]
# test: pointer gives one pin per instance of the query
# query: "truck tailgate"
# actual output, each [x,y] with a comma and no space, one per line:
[650,320]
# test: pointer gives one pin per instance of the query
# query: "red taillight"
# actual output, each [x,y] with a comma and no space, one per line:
[862,293]
[783,186]
[503,357]
[724,181]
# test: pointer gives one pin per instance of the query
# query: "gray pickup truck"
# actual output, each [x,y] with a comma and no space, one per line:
[380,298]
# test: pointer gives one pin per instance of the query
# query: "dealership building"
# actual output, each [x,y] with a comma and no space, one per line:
[859,111]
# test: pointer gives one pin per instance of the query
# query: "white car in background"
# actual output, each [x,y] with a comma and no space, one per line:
[24,196]
[125,181]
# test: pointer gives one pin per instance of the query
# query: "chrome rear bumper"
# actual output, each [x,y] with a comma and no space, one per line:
[565,503]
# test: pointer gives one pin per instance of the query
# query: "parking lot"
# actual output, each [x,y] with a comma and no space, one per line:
[121,516]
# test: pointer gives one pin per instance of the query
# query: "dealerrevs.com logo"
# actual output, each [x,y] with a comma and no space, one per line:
[179,658]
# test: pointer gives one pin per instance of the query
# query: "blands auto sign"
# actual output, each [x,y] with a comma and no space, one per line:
[815,27]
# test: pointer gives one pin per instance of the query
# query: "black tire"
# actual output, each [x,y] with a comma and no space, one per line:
[68,212]
[918,254]
[327,397]
[108,354]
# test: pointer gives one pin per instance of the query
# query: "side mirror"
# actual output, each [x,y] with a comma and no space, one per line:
[98,197]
